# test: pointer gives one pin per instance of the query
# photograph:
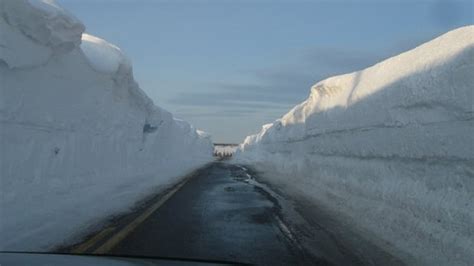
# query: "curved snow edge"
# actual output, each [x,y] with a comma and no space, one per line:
[103,56]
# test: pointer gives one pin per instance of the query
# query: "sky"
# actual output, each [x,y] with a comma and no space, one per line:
[228,67]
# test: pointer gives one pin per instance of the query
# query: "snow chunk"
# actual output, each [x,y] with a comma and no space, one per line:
[102,55]
[45,22]
[17,50]
[34,30]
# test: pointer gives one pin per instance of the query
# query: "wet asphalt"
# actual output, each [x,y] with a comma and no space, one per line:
[219,214]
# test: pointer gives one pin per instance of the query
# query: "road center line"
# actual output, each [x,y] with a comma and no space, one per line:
[119,236]
[91,242]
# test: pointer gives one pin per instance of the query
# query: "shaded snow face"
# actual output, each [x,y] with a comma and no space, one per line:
[388,149]
[33,31]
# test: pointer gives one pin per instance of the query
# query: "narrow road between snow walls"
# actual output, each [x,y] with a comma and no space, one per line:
[221,212]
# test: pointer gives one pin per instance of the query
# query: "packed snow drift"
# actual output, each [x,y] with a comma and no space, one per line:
[79,139]
[388,150]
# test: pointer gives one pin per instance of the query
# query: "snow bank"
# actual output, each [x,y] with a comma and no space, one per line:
[79,139]
[389,150]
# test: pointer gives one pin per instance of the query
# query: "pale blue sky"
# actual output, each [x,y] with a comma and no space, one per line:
[230,66]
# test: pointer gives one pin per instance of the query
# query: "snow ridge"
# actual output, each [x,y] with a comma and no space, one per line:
[389,149]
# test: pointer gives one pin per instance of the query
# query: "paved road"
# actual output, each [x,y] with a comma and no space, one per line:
[225,213]
[220,214]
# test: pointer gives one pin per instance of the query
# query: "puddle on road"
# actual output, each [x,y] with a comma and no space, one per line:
[282,211]
[229,189]
[241,174]
[285,207]
[262,218]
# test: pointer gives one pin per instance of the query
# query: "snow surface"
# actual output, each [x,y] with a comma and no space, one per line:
[40,27]
[389,150]
[103,56]
[79,139]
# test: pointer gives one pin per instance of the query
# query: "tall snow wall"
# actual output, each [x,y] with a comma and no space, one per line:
[79,139]
[388,150]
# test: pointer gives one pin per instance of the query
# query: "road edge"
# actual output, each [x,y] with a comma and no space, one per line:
[124,232]
[115,229]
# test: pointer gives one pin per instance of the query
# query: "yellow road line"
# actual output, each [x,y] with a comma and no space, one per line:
[119,236]
[88,244]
